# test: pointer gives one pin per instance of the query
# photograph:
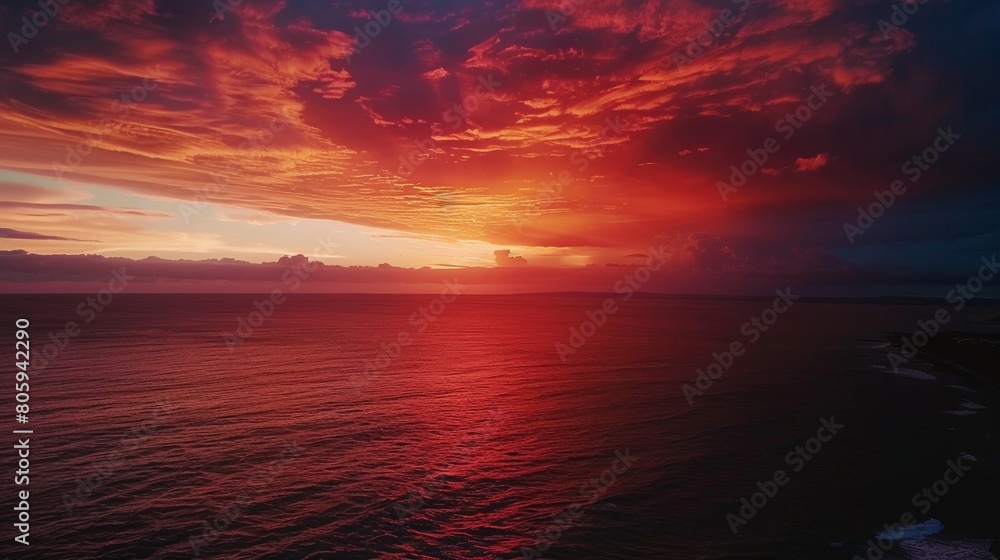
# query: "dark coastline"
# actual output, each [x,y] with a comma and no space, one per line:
[973,357]
[961,361]
[968,354]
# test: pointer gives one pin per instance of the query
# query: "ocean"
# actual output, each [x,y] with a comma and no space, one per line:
[407,426]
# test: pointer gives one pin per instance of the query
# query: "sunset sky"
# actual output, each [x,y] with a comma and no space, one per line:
[191,130]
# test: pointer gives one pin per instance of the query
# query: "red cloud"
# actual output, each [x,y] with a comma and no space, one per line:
[325,136]
[813,163]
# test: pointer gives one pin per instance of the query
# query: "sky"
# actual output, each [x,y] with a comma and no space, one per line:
[564,140]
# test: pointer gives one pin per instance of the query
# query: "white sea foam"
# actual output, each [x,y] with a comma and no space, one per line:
[972,406]
[962,388]
[917,531]
[907,372]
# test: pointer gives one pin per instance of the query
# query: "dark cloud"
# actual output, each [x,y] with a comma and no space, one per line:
[7,233]
[85,208]
[503,258]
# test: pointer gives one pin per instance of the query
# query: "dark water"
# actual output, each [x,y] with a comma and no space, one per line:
[154,440]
